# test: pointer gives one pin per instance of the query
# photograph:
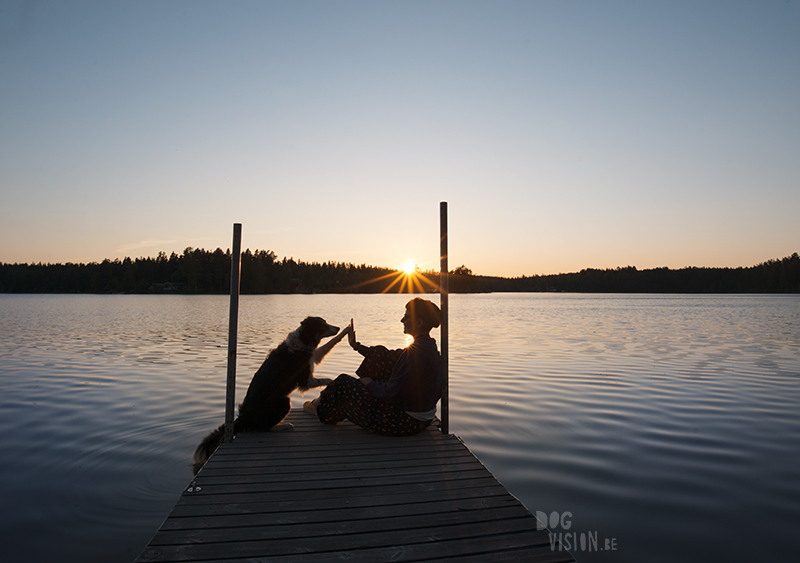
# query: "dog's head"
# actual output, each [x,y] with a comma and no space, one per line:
[314,329]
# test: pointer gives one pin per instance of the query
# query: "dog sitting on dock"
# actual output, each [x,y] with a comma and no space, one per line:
[288,367]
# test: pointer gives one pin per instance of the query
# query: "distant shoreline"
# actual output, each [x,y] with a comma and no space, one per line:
[201,272]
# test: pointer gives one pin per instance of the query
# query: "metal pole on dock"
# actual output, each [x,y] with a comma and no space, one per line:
[443,294]
[233,325]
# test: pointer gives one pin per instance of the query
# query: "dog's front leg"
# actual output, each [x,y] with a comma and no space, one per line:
[322,351]
[322,381]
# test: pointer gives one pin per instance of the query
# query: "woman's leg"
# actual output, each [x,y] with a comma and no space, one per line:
[345,398]
[390,420]
[348,399]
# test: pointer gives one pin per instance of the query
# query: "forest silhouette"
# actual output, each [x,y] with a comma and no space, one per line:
[199,271]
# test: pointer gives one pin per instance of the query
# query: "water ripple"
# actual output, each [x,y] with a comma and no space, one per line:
[649,418]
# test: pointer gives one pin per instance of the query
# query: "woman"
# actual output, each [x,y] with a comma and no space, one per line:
[400,401]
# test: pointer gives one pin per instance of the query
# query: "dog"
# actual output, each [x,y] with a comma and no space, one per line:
[288,367]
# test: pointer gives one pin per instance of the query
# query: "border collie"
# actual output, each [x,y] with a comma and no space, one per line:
[288,367]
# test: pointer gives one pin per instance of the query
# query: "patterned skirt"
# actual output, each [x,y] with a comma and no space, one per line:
[349,399]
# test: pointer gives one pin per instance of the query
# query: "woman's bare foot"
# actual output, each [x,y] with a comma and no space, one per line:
[311,406]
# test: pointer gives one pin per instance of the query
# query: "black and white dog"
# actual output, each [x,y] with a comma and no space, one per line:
[288,367]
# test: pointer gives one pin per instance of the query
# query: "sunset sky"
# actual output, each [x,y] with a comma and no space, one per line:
[563,135]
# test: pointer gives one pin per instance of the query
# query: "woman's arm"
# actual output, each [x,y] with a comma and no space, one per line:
[391,389]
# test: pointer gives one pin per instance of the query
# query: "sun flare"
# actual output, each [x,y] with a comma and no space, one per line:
[409,267]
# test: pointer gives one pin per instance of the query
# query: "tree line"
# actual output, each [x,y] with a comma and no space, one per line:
[194,271]
[772,276]
[200,271]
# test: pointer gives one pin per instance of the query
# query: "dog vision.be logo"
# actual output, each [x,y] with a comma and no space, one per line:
[570,541]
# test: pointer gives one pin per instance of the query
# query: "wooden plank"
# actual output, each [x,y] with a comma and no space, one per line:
[267,493]
[300,450]
[359,480]
[320,492]
[347,542]
[255,467]
[336,526]
[285,517]
[341,503]
[521,547]
[535,554]
[231,476]
[322,451]
[292,461]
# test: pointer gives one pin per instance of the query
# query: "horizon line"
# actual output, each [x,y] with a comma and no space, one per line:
[364,264]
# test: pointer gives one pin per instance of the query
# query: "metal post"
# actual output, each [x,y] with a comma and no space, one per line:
[233,324]
[443,294]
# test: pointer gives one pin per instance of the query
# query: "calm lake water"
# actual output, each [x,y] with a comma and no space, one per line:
[666,426]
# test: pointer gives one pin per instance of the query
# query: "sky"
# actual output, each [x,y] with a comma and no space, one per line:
[562,135]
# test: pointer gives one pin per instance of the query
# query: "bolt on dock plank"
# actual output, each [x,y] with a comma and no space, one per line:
[322,493]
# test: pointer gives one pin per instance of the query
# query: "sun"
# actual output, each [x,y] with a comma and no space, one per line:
[409,267]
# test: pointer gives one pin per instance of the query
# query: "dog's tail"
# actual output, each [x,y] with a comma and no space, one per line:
[207,447]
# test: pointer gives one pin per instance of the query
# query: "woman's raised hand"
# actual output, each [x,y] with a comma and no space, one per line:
[351,335]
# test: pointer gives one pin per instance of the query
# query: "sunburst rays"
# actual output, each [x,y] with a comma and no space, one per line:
[403,281]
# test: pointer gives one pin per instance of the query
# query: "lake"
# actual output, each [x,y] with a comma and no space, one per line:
[668,426]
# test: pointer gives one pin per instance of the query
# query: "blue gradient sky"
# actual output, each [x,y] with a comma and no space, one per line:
[564,135]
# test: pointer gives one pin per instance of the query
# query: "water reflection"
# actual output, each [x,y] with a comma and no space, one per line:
[648,417]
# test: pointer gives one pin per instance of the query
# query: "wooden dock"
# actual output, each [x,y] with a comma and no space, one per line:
[326,493]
